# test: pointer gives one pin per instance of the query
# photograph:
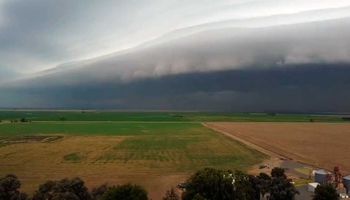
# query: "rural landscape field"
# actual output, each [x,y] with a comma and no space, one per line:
[322,145]
[174,100]
[156,150]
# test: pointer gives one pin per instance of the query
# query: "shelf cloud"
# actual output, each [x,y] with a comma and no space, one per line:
[243,55]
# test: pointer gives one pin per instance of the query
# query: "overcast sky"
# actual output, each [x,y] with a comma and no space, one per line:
[39,34]
[71,43]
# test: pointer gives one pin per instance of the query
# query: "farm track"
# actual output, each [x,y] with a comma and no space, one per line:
[249,144]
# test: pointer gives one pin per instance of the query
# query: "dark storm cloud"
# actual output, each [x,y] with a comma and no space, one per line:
[235,56]
[284,68]
[218,49]
[302,88]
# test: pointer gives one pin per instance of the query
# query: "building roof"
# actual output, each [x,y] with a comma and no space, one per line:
[321,171]
[314,184]
[347,177]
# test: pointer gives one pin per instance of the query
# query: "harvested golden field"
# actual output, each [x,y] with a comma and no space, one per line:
[85,157]
[319,144]
[157,156]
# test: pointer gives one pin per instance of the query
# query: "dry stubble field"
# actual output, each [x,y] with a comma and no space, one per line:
[319,144]
[156,155]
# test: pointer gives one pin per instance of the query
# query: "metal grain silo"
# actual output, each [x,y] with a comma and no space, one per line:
[346,183]
[321,176]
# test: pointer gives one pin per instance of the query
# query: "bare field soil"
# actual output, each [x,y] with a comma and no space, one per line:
[319,144]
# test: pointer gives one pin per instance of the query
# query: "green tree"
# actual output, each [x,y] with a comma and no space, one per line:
[97,193]
[9,188]
[210,184]
[326,192]
[278,172]
[282,189]
[245,187]
[198,197]
[171,195]
[65,189]
[264,183]
[126,192]
[23,120]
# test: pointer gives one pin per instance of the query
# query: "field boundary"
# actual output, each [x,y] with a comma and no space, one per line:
[271,153]
[249,144]
[255,146]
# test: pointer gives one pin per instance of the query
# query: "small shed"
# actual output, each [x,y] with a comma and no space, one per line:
[312,186]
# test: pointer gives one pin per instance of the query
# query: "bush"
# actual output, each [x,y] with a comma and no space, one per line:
[97,193]
[171,195]
[9,188]
[278,173]
[206,184]
[326,192]
[67,189]
[246,186]
[198,197]
[282,189]
[264,184]
[125,192]
[210,184]
[24,120]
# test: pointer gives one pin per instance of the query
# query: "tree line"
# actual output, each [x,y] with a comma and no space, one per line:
[206,184]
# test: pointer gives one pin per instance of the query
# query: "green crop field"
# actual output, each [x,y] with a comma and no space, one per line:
[99,128]
[150,141]
[163,116]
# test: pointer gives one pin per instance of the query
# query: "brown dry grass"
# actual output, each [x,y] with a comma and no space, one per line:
[35,163]
[319,144]
[155,162]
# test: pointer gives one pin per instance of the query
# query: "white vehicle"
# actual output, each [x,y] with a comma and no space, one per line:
[343,196]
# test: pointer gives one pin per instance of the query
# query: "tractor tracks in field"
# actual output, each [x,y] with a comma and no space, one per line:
[276,159]
[245,142]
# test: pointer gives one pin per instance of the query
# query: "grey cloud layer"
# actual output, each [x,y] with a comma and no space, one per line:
[40,34]
[285,62]
[218,49]
[227,69]
[36,34]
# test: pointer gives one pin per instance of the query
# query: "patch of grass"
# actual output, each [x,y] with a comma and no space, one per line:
[90,116]
[73,157]
[304,170]
[301,182]
[98,128]
[187,150]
